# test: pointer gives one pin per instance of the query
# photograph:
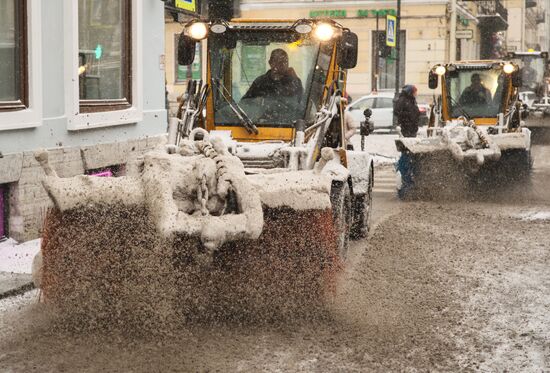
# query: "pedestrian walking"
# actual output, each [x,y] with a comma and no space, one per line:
[406,110]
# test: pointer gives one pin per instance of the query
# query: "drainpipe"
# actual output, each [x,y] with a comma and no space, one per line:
[452,33]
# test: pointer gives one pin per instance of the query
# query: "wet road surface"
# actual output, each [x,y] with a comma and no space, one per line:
[442,286]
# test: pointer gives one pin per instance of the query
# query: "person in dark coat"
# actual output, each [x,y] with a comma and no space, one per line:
[475,94]
[406,111]
[280,80]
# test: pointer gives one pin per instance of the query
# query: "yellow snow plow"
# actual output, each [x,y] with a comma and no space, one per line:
[252,201]
[475,132]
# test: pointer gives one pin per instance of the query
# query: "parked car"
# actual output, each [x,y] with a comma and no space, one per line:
[381,104]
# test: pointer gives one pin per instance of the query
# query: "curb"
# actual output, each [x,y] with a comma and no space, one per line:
[17,291]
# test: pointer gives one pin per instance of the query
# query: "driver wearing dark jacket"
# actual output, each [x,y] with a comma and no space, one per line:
[280,80]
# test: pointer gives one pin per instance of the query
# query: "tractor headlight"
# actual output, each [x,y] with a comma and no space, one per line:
[508,68]
[440,70]
[197,30]
[324,31]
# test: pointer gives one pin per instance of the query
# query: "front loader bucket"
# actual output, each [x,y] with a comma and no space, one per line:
[291,268]
[439,167]
[110,260]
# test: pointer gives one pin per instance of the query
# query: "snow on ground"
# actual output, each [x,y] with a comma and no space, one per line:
[380,145]
[534,215]
[17,258]
[16,304]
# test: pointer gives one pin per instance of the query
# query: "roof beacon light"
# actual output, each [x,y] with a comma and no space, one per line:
[440,70]
[324,31]
[197,30]
[303,28]
[218,28]
[508,68]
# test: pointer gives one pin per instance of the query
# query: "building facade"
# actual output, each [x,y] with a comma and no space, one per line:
[529,25]
[485,29]
[83,79]
[424,35]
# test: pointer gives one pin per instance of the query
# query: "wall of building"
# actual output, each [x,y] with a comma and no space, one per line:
[528,27]
[57,126]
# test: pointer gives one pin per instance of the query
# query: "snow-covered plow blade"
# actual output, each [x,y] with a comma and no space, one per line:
[449,162]
[189,234]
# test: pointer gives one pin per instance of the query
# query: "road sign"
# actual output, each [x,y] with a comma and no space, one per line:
[391,21]
[189,5]
[464,34]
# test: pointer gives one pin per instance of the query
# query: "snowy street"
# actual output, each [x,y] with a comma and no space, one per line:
[274,186]
[436,286]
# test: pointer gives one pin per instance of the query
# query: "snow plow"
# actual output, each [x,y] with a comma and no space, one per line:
[475,134]
[534,91]
[252,201]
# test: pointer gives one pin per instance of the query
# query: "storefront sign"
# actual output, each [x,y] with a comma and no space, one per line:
[343,13]
[364,13]
[464,34]
[333,13]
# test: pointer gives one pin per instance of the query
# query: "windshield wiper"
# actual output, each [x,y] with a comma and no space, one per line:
[460,107]
[239,112]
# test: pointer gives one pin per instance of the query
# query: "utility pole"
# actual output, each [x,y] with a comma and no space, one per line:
[397,59]
[377,54]
[452,33]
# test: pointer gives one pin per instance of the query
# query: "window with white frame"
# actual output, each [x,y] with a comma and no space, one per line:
[104,55]
[13,55]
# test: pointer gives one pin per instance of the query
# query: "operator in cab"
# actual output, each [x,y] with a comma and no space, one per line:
[476,93]
[279,81]
[529,76]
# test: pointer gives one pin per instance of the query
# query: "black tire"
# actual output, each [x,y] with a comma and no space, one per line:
[340,199]
[362,210]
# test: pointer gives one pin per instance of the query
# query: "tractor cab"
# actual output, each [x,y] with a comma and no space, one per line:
[534,92]
[479,91]
[266,76]
[533,67]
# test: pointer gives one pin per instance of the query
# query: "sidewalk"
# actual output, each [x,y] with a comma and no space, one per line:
[380,146]
[16,266]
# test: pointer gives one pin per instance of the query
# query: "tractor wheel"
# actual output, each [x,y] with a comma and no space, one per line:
[341,213]
[362,208]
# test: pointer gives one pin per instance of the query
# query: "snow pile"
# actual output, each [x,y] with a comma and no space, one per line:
[17,258]
[534,215]
[380,146]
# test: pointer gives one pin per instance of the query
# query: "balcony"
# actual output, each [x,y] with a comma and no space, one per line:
[492,15]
